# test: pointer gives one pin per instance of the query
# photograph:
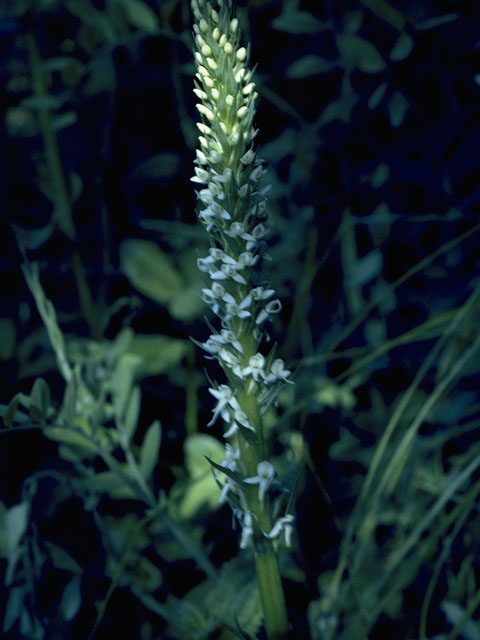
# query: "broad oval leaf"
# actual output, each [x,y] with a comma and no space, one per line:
[293,21]
[397,108]
[402,47]
[16,522]
[141,16]
[203,489]
[198,447]
[360,53]
[71,599]
[310,65]
[156,353]
[149,270]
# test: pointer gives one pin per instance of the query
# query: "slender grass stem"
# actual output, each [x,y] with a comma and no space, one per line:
[61,197]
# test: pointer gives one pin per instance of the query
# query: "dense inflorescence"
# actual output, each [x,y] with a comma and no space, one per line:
[232,210]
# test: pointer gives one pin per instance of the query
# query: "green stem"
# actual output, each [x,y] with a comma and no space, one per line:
[269,580]
[271,590]
[62,200]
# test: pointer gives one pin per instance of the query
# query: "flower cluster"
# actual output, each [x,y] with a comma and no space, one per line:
[232,209]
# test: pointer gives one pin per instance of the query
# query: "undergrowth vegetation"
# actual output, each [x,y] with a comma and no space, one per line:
[110,520]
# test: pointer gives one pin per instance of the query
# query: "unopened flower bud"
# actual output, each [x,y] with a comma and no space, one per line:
[241,54]
[212,64]
[242,112]
[239,75]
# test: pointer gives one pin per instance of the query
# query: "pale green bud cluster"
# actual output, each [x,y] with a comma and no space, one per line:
[226,92]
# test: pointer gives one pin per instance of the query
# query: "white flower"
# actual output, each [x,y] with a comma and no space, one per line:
[201,175]
[274,306]
[230,462]
[227,337]
[228,358]
[264,478]
[211,346]
[247,530]
[206,196]
[247,259]
[217,275]
[241,418]
[255,367]
[278,372]
[283,525]
[259,293]
[235,309]
[248,157]
[224,177]
[225,399]
[257,173]
[232,430]
[207,218]
[236,229]
[203,264]
[212,296]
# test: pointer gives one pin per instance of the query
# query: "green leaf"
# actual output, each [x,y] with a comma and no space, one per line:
[14,606]
[39,400]
[402,48]
[71,599]
[234,475]
[149,450]
[310,65]
[132,413]
[122,382]
[16,522]
[397,108]
[380,175]
[110,483]
[202,490]
[439,21]
[197,448]
[385,11]
[11,409]
[46,102]
[229,602]
[149,270]
[140,15]
[187,304]
[156,353]
[70,436]
[293,21]
[377,96]
[92,17]
[63,120]
[365,269]
[360,53]
[61,559]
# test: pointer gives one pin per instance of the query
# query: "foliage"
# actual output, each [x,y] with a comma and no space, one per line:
[109,514]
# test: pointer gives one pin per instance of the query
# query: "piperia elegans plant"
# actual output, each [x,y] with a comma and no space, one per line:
[231,207]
